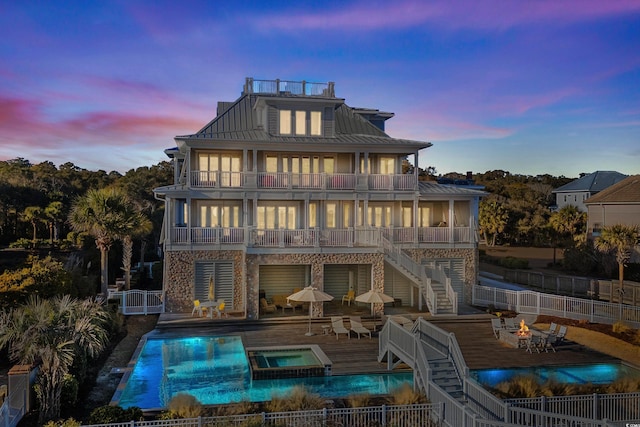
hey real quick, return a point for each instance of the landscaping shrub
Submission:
(620, 327)
(243, 407)
(184, 405)
(299, 399)
(515, 263)
(359, 400)
(69, 422)
(406, 395)
(114, 414)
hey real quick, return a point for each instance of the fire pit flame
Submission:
(524, 329)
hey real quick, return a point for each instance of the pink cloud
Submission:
(488, 14)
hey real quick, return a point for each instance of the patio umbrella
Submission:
(310, 295)
(374, 296)
(211, 288)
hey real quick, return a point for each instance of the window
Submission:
(330, 219)
(316, 123)
(407, 216)
(219, 215)
(312, 215)
(225, 167)
(285, 122)
(181, 213)
(275, 217)
(301, 122)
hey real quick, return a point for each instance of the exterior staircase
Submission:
(433, 291)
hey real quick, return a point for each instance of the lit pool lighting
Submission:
(216, 371)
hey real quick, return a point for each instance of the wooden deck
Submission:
(475, 337)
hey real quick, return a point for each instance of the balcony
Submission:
(301, 181)
(314, 237)
(289, 88)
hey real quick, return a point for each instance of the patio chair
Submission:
(534, 343)
(496, 325)
(350, 296)
(356, 326)
(338, 327)
(265, 307)
(221, 311)
(550, 343)
(197, 308)
(510, 324)
(552, 329)
(562, 333)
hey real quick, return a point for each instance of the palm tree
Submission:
(568, 222)
(51, 333)
(33, 215)
(101, 214)
(136, 224)
(54, 213)
(621, 239)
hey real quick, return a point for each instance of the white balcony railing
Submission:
(314, 237)
(303, 181)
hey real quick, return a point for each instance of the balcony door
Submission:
(219, 169)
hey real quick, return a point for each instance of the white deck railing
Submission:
(138, 301)
(531, 302)
(428, 415)
(357, 236)
(303, 181)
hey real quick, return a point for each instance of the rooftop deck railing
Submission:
(288, 87)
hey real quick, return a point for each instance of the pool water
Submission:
(216, 371)
(603, 373)
(286, 358)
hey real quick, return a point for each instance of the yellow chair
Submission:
(350, 296)
(198, 308)
(221, 310)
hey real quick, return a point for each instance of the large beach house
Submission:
(288, 187)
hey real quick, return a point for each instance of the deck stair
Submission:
(431, 281)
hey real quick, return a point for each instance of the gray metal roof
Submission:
(236, 123)
(430, 188)
(594, 182)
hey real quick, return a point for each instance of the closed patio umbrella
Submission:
(374, 296)
(310, 295)
(211, 288)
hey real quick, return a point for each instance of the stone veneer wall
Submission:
(317, 262)
(471, 264)
(180, 274)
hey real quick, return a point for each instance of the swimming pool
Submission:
(216, 371)
(602, 373)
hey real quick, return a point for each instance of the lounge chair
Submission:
(496, 325)
(510, 324)
(356, 326)
(535, 343)
(350, 296)
(550, 343)
(265, 307)
(338, 327)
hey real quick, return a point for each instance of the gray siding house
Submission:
(288, 186)
(576, 192)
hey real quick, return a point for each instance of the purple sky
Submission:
(530, 87)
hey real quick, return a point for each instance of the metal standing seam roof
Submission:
(593, 182)
(429, 188)
(236, 123)
(625, 191)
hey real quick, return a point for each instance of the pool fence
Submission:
(532, 302)
(137, 301)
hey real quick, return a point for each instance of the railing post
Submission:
(596, 406)
(383, 415)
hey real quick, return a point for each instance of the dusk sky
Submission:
(530, 87)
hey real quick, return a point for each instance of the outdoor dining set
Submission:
(521, 336)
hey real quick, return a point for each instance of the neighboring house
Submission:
(289, 187)
(576, 192)
(618, 204)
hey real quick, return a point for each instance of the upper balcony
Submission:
(303, 181)
(289, 88)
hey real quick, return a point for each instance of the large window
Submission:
(300, 122)
(271, 217)
(223, 166)
(217, 215)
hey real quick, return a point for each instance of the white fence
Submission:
(137, 301)
(531, 302)
(427, 415)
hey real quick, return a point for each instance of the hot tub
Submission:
(288, 362)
